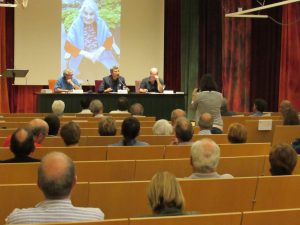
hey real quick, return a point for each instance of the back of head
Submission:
(22, 142)
(130, 128)
(283, 159)
(176, 113)
(237, 133)
(53, 123)
(290, 117)
(107, 126)
(207, 83)
(39, 129)
(260, 104)
(85, 103)
(96, 107)
(164, 192)
(70, 133)
(162, 127)
(122, 103)
(58, 107)
(137, 109)
(205, 121)
(285, 105)
(183, 129)
(205, 155)
(56, 175)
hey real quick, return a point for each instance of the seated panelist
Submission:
(66, 83)
(112, 82)
(152, 83)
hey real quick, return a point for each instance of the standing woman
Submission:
(207, 99)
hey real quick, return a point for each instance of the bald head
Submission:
(39, 129)
(56, 175)
(205, 121)
(205, 155)
(176, 113)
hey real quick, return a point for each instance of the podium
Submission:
(12, 73)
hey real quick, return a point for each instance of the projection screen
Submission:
(49, 37)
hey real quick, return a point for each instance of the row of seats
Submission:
(129, 199)
(89, 153)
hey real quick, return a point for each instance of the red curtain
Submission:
(4, 102)
(289, 85)
(236, 56)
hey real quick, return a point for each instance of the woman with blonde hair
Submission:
(237, 133)
(165, 196)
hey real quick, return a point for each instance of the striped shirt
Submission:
(50, 211)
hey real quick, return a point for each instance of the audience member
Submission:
(285, 105)
(237, 133)
(165, 196)
(84, 104)
(259, 107)
(137, 109)
(162, 127)
(96, 108)
(21, 145)
(130, 130)
(107, 126)
(39, 129)
(176, 113)
(205, 123)
(207, 98)
(122, 105)
(183, 132)
(205, 155)
(58, 107)
(224, 109)
(56, 179)
(70, 133)
(296, 145)
(283, 160)
(290, 117)
(53, 123)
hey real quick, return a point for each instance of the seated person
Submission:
(54, 124)
(183, 132)
(112, 82)
(84, 104)
(224, 109)
(285, 105)
(96, 108)
(137, 109)
(162, 127)
(152, 83)
(237, 133)
(122, 105)
(205, 156)
(58, 107)
(205, 123)
(130, 130)
(56, 179)
(165, 196)
(107, 126)
(259, 106)
(66, 83)
(70, 133)
(175, 114)
(283, 160)
(290, 117)
(21, 145)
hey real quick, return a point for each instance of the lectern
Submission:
(12, 73)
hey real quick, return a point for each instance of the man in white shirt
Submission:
(56, 179)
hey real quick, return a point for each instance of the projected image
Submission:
(90, 36)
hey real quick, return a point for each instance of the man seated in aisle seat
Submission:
(39, 129)
(176, 113)
(205, 155)
(56, 179)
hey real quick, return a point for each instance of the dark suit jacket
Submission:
(19, 159)
(108, 82)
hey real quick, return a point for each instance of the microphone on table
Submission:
(90, 88)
